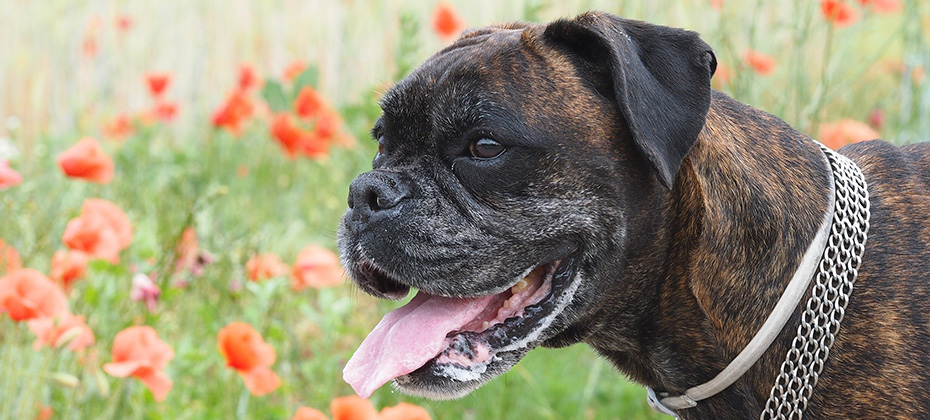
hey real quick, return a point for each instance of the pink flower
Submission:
(144, 289)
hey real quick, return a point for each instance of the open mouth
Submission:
(445, 344)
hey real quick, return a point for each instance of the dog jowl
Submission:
(579, 181)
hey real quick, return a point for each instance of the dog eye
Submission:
(486, 148)
(381, 145)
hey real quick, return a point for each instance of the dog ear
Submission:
(658, 76)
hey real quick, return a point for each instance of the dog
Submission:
(580, 181)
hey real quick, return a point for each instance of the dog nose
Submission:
(375, 192)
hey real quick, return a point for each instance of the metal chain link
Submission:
(833, 284)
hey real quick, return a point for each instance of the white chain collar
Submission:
(835, 255)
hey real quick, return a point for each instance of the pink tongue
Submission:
(407, 338)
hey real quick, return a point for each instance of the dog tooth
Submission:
(520, 286)
(485, 325)
(507, 304)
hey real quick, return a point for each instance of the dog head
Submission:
(515, 169)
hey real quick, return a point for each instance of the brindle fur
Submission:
(678, 277)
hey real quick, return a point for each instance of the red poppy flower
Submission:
(86, 160)
(26, 294)
(883, 6)
(288, 134)
(265, 266)
(352, 407)
(157, 82)
(8, 176)
(759, 62)
(91, 234)
(839, 12)
(248, 77)
(45, 413)
(446, 21)
(314, 145)
(123, 22)
(119, 128)
(138, 352)
(294, 69)
(102, 230)
(9, 258)
(249, 354)
(840, 133)
(405, 411)
(67, 330)
(316, 267)
(68, 267)
(114, 216)
(165, 111)
(329, 128)
(307, 413)
(234, 112)
(309, 103)
(328, 124)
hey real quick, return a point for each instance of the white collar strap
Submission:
(773, 325)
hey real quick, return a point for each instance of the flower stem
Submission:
(242, 409)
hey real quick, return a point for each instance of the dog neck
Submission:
(747, 202)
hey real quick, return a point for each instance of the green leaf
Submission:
(307, 78)
(98, 266)
(273, 94)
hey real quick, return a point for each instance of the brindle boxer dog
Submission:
(579, 181)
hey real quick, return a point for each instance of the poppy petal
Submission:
(352, 407)
(123, 369)
(157, 382)
(405, 411)
(260, 381)
(307, 413)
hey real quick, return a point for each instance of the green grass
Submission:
(170, 176)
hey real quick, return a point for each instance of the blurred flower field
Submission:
(172, 174)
